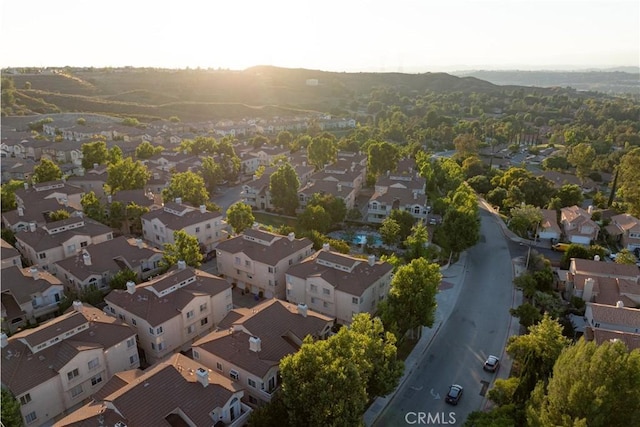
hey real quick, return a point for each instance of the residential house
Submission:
(256, 193)
(626, 229)
(560, 179)
(34, 213)
(172, 310)
(631, 340)
(577, 225)
(613, 318)
(250, 344)
(168, 160)
(97, 264)
(549, 228)
(55, 241)
(10, 255)
(339, 285)
(208, 227)
(63, 152)
(256, 261)
(604, 282)
(66, 194)
(55, 367)
(91, 180)
(267, 154)
(381, 204)
(16, 169)
(347, 194)
(175, 392)
(28, 296)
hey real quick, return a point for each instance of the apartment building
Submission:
(257, 261)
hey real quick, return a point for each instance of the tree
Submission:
(322, 151)
(115, 155)
(92, 207)
(333, 205)
(535, 353)
(382, 157)
(120, 279)
(94, 153)
(11, 415)
(283, 186)
(466, 145)
(130, 121)
(528, 314)
(59, 215)
(133, 217)
(574, 251)
(417, 241)
(460, 230)
(629, 176)
(8, 194)
(525, 219)
(228, 159)
(127, 174)
(570, 195)
(405, 220)
(240, 217)
(187, 185)
(390, 231)
(582, 157)
(46, 171)
(146, 150)
(625, 256)
(116, 215)
(211, 173)
(592, 384)
(185, 247)
(412, 299)
(315, 218)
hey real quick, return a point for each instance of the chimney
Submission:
(291, 236)
(95, 165)
(339, 188)
(255, 344)
(203, 376)
(20, 211)
(255, 226)
(326, 247)
(4, 340)
(86, 257)
(77, 306)
(415, 195)
(372, 260)
(32, 227)
(587, 293)
(619, 304)
(26, 185)
(596, 257)
(302, 309)
(34, 273)
(388, 172)
(131, 287)
(109, 198)
(65, 202)
(203, 209)
(304, 163)
(139, 243)
(590, 209)
(178, 200)
(182, 265)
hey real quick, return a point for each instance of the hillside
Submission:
(149, 94)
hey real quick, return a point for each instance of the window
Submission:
(25, 399)
(314, 289)
(208, 226)
(197, 229)
(253, 400)
(355, 300)
(219, 366)
(247, 263)
(233, 374)
(204, 321)
(190, 314)
(133, 359)
(237, 260)
(326, 291)
(161, 346)
(325, 304)
(42, 255)
(71, 248)
(94, 363)
(196, 354)
(131, 342)
(31, 417)
(203, 307)
(155, 226)
(76, 391)
(159, 330)
(96, 380)
(313, 300)
(191, 328)
(133, 321)
(83, 244)
(153, 346)
(291, 261)
(270, 269)
(416, 210)
(72, 374)
(251, 382)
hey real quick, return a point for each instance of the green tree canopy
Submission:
(382, 157)
(322, 151)
(127, 174)
(240, 217)
(315, 218)
(417, 242)
(283, 186)
(94, 153)
(185, 247)
(390, 231)
(211, 173)
(115, 155)
(570, 195)
(147, 150)
(405, 220)
(187, 185)
(59, 215)
(594, 385)
(582, 156)
(46, 171)
(625, 256)
(412, 298)
(524, 220)
(120, 279)
(8, 194)
(10, 414)
(92, 207)
(333, 205)
(629, 177)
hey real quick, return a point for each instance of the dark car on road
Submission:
(491, 364)
(454, 394)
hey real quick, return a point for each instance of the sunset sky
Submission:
(332, 35)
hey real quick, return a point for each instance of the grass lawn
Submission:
(274, 220)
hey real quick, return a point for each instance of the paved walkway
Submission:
(452, 279)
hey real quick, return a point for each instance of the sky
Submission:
(332, 35)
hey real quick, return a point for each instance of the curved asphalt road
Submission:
(478, 326)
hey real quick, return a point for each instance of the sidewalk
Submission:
(452, 278)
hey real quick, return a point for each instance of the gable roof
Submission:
(7, 251)
(22, 286)
(264, 247)
(176, 216)
(600, 268)
(41, 240)
(623, 316)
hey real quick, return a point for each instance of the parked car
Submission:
(561, 247)
(491, 364)
(454, 394)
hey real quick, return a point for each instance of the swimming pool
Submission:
(361, 239)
